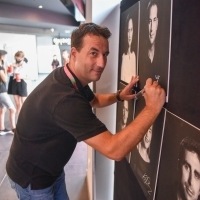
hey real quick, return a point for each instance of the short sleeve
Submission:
(74, 114)
(89, 93)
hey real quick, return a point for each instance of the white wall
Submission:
(26, 43)
(45, 52)
(105, 13)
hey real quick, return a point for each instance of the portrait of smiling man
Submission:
(152, 28)
(155, 42)
(58, 114)
(189, 170)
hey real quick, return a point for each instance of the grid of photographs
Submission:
(166, 162)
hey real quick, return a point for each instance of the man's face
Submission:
(190, 180)
(91, 60)
(153, 23)
(130, 31)
(125, 112)
(147, 138)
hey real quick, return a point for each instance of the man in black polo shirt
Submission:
(58, 114)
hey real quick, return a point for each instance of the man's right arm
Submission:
(119, 145)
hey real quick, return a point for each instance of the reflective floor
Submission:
(75, 170)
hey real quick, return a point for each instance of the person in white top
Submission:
(128, 67)
(17, 84)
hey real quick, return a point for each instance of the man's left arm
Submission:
(103, 100)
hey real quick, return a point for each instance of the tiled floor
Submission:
(75, 170)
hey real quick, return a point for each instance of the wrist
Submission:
(154, 110)
(118, 96)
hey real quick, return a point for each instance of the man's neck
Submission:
(151, 52)
(71, 67)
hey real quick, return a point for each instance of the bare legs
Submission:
(11, 117)
(2, 117)
(19, 102)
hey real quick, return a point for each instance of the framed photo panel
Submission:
(179, 174)
(145, 157)
(128, 43)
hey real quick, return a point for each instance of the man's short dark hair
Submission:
(150, 4)
(190, 145)
(87, 29)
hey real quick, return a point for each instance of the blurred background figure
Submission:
(55, 63)
(5, 101)
(25, 60)
(65, 55)
(17, 85)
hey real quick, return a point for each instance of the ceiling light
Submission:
(40, 6)
(52, 29)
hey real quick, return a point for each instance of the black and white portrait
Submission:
(179, 176)
(145, 157)
(128, 43)
(154, 47)
(125, 112)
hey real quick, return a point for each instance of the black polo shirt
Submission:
(52, 119)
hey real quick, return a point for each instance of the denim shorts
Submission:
(57, 191)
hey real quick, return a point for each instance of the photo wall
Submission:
(163, 37)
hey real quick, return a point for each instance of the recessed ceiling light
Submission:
(52, 29)
(40, 6)
(67, 31)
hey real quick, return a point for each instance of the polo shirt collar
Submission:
(78, 83)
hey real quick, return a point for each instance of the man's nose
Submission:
(101, 61)
(151, 24)
(190, 179)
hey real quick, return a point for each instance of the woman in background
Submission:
(17, 84)
(128, 67)
(5, 101)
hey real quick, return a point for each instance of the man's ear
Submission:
(73, 53)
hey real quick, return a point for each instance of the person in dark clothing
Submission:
(55, 63)
(17, 85)
(58, 114)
